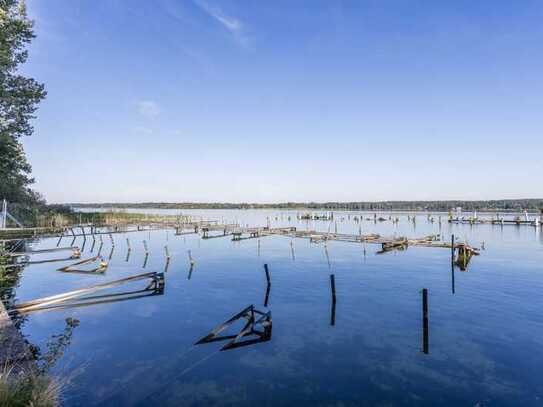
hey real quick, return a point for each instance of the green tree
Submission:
(19, 99)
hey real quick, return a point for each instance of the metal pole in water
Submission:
(333, 286)
(425, 334)
(268, 279)
(333, 309)
(452, 265)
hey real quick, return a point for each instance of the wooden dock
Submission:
(387, 243)
(88, 230)
(500, 222)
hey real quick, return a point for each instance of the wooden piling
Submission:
(425, 333)
(453, 285)
(268, 279)
(333, 287)
(333, 308)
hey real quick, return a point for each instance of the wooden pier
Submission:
(88, 230)
(387, 243)
(500, 222)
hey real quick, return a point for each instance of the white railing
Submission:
(4, 215)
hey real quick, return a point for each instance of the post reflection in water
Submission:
(78, 298)
(145, 260)
(258, 325)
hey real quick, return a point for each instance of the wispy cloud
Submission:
(148, 108)
(143, 131)
(232, 24)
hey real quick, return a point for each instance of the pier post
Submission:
(425, 333)
(452, 265)
(333, 309)
(268, 279)
(268, 286)
(333, 287)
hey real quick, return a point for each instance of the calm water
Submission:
(485, 341)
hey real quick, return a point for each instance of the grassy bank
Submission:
(55, 218)
(24, 389)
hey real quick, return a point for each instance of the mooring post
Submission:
(333, 309)
(191, 260)
(425, 334)
(333, 286)
(267, 274)
(452, 265)
(167, 252)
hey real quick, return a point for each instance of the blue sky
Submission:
(207, 100)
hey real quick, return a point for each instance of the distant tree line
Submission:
(493, 205)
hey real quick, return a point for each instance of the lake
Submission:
(485, 344)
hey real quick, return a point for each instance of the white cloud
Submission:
(233, 25)
(148, 108)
